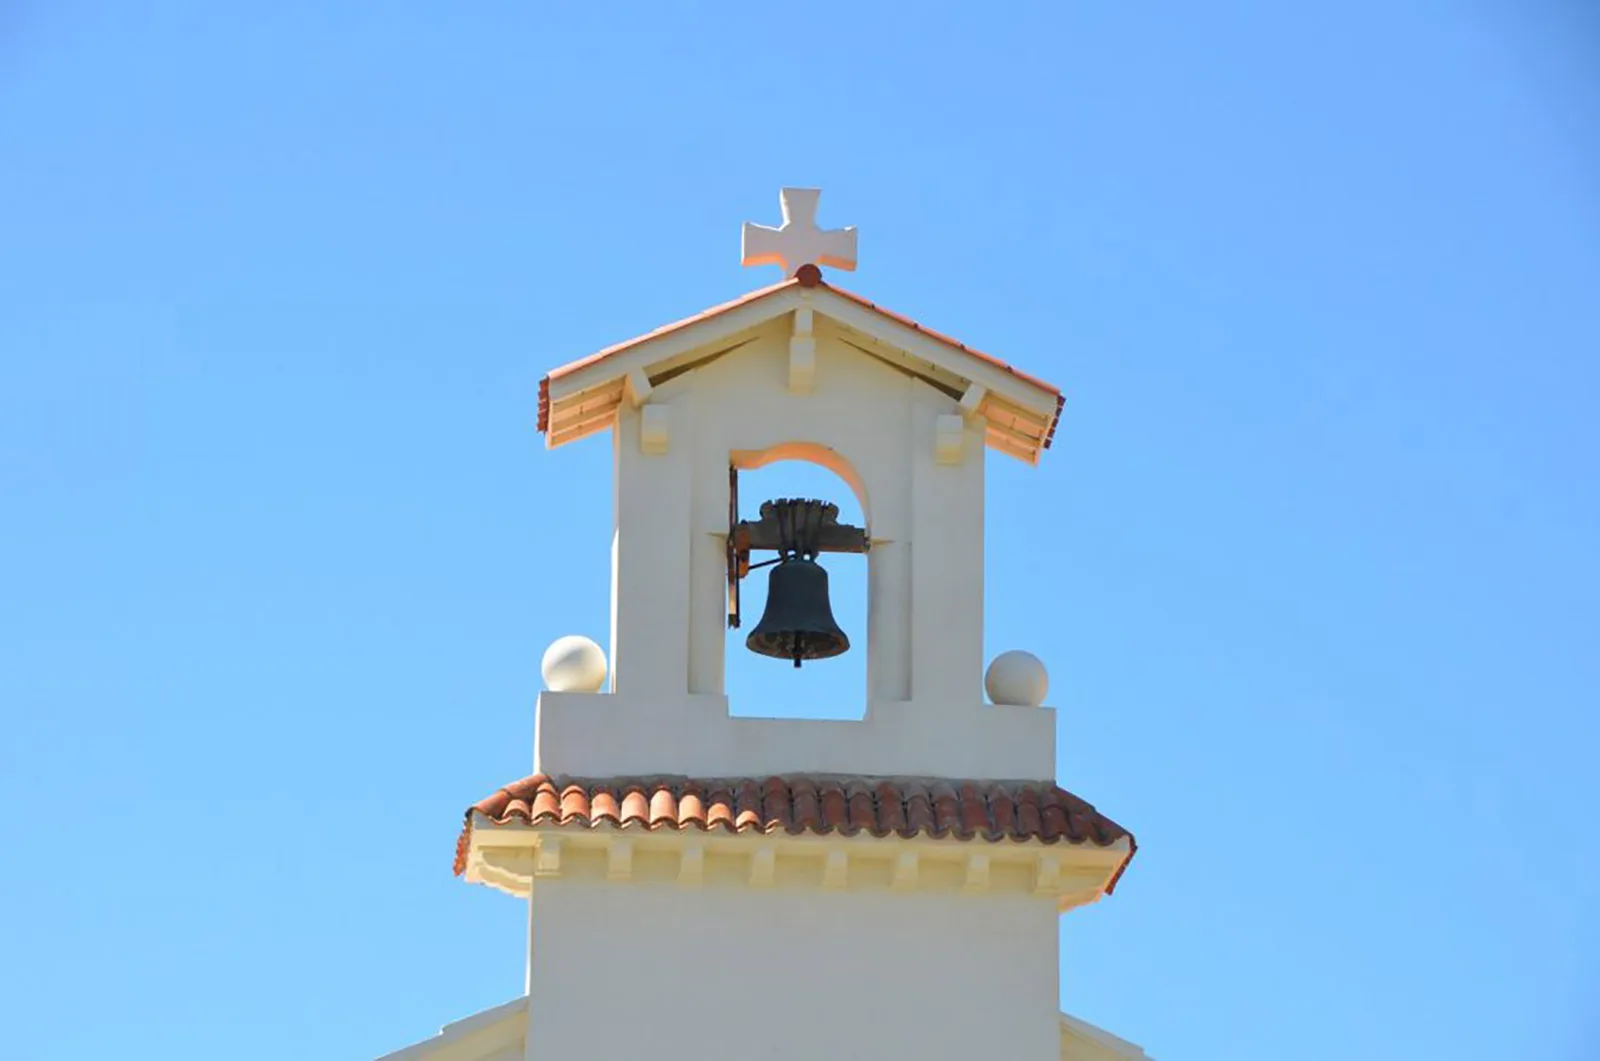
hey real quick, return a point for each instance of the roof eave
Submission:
(1012, 391)
(510, 855)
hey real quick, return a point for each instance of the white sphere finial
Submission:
(573, 664)
(1017, 678)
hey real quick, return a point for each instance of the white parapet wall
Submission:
(603, 734)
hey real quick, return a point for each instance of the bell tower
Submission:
(700, 864)
(904, 415)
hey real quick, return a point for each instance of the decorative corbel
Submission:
(547, 862)
(949, 433)
(972, 400)
(949, 439)
(835, 871)
(1047, 875)
(763, 867)
(638, 387)
(619, 858)
(692, 867)
(977, 874)
(655, 422)
(802, 353)
(905, 872)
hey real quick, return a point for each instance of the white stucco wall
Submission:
(926, 518)
(599, 735)
(798, 974)
(876, 427)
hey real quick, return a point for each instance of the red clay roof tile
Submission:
(1020, 811)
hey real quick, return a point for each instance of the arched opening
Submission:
(835, 688)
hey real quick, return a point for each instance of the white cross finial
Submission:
(799, 241)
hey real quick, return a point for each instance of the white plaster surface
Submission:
(585, 735)
(878, 429)
(657, 970)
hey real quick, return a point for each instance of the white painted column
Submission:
(889, 621)
(651, 553)
(708, 576)
(889, 586)
(946, 565)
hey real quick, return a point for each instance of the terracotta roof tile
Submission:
(1020, 811)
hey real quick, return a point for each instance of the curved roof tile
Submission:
(820, 804)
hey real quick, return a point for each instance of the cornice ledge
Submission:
(510, 856)
(1082, 1041)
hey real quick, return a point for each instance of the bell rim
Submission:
(842, 639)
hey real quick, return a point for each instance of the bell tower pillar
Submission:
(653, 483)
(946, 578)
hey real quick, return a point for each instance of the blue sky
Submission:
(1312, 562)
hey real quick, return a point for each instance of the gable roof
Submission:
(581, 397)
(994, 811)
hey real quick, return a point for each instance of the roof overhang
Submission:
(583, 397)
(512, 856)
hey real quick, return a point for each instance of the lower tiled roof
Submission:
(1020, 811)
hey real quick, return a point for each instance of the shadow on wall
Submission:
(762, 687)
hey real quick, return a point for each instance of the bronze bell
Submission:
(798, 621)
